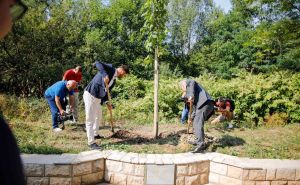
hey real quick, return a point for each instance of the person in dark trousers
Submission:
(95, 94)
(202, 109)
(11, 169)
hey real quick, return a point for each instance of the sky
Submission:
(224, 4)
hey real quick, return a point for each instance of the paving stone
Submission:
(192, 180)
(234, 172)
(113, 166)
(180, 180)
(262, 183)
(218, 168)
(297, 177)
(293, 182)
(82, 169)
(279, 183)
(92, 178)
(214, 178)
(271, 174)
(182, 170)
(34, 170)
(133, 180)
(57, 170)
(98, 165)
(285, 174)
(60, 181)
(249, 183)
(224, 180)
(160, 174)
(37, 180)
(257, 174)
(204, 178)
(119, 179)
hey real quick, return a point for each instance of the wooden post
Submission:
(155, 120)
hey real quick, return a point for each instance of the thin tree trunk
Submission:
(156, 93)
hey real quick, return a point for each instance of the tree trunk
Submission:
(156, 94)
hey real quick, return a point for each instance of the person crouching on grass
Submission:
(225, 107)
(55, 96)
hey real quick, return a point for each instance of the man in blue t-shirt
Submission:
(55, 96)
(95, 94)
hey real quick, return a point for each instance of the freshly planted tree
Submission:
(155, 14)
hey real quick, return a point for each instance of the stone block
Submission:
(224, 180)
(214, 178)
(92, 178)
(234, 172)
(119, 179)
(58, 170)
(34, 170)
(128, 168)
(204, 178)
(82, 169)
(139, 170)
(285, 174)
(98, 165)
(279, 183)
(248, 183)
(271, 174)
(193, 169)
(182, 170)
(192, 180)
(76, 181)
(245, 175)
(60, 181)
(160, 174)
(262, 183)
(257, 174)
(37, 180)
(113, 166)
(293, 182)
(297, 178)
(108, 176)
(180, 180)
(133, 180)
(203, 167)
(218, 168)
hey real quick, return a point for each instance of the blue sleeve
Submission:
(100, 68)
(58, 92)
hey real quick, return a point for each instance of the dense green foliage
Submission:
(258, 99)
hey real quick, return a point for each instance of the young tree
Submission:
(155, 14)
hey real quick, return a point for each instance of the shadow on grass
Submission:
(33, 149)
(227, 141)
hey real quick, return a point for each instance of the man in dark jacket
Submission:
(96, 93)
(202, 109)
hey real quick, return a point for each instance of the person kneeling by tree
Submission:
(55, 96)
(225, 107)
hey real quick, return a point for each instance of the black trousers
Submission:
(202, 114)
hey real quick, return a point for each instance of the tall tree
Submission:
(155, 28)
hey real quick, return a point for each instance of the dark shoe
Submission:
(94, 146)
(192, 143)
(199, 149)
(98, 137)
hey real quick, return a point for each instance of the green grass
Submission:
(279, 142)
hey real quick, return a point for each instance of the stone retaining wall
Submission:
(123, 168)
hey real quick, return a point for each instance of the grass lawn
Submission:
(279, 142)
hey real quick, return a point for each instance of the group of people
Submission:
(201, 107)
(95, 94)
